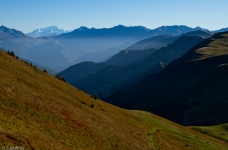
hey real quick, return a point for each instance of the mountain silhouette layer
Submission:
(127, 67)
(196, 80)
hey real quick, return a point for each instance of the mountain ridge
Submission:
(12, 33)
(124, 31)
(125, 65)
(199, 73)
(160, 41)
(72, 50)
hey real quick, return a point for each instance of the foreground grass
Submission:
(38, 111)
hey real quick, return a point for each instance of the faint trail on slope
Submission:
(188, 111)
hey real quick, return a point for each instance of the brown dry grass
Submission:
(215, 48)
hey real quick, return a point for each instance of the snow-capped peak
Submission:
(48, 31)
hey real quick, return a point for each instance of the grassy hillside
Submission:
(218, 131)
(38, 111)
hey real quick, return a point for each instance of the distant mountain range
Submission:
(134, 31)
(14, 40)
(115, 73)
(83, 44)
(163, 40)
(174, 30)
(129, 66)
(221, 30)
(6, 33)
(48, 31)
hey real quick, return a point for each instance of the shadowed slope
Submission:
(200, 73)
(134, 62)
(127, 57)
(153, 42)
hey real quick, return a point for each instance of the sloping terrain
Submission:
(137, 61)
(38, 111)
(169, 53)
(11, 39)
(52, 54)
(167, 42)
(124, 58)
(115, 87)
(153, 42)
(78, 71)
(218, 131)
(127, 57)
(160, 41)
(98, 82)
(190, 91)
(221, 30)
(200, 33)
(129, 63)
(50, 71)
(40, 67)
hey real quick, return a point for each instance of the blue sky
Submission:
(27, 15)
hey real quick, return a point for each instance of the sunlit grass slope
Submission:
(217, 47)
(218, 131)
(38, 111)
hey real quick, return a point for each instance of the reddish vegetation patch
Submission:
(66, 113)
(80, 124)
